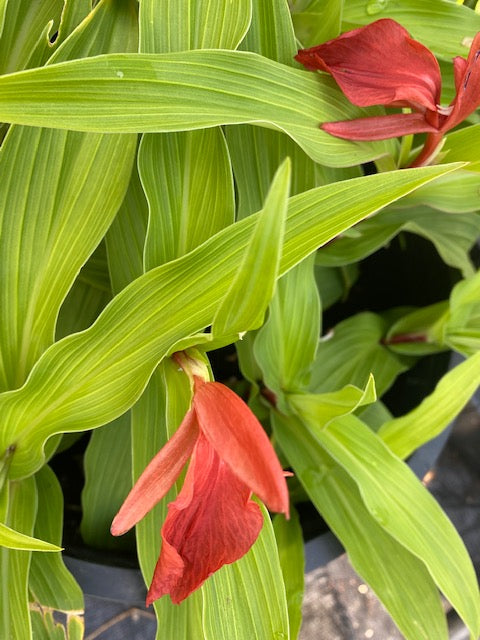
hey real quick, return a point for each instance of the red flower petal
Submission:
(379, 64)
(240, 441)
(211, 523)
(467, 82)
(379, 127)
(158, 477)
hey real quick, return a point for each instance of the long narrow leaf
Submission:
(90, 378)
(122, 93)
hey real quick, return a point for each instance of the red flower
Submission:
(381, 65)
(213, 521)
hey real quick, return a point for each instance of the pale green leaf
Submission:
(107, 465)
(74, 11)
(184, 91)
(405, 434)
(405, 509)
(271, 31)
(443, 26)
(50, 583)
(88, 379)
(360, 337)
(188, 183)
(286, 345)
(59, 193)
(15, 540)
(244, 305)
(462, 327)
(26, 25)
(288, 534)
(462, 144)
(249, 593)
(399, 579)
(18, 509)
(419, 332)
(179, 25)
(456, 193)
(126, 237)
(322, 408)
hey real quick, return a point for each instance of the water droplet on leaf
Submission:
(376, 6)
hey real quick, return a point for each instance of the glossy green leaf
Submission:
(245, 303)
(289, 537)
(107, 465)
(184, 91)
(399, 579)
(180, 25)
(90, 378)
(316, 21)
(50, 584)
(188, 183)
(405, 509)
(249, 593)
(405, 434)
(286, 345)
(360, 337)
(443, 26)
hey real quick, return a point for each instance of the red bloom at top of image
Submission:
(213, 520)
(380, 64)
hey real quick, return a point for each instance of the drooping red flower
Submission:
(380, 64)
(213, 520)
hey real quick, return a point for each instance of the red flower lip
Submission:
(213, 520)
(380, 64)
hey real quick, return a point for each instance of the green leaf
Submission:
(26, 26)
(398, 578)
(322, 408)
(18, 508)
(59, 193)
(50, 583)
(405, 509)
(90, 378)
(463, 144)
(360, 336)
(15, 540)
(316, 21)
(250, 594)
(74, 11)
(405, 434)
(126, 237)
(179, 25)
(286, 345)
(419, 332)
(184, 91)
(288, 534)
(456, 193)
(188, 183)
(107, 464)
(442, 26)
(271, 31)
(244, 305)
(462, 327)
